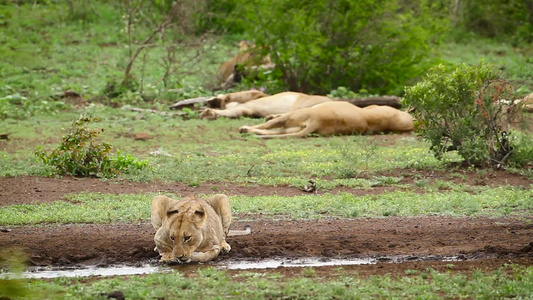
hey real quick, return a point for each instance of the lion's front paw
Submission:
(270, 117)
(166, 257)
(208, 113)
(244, 129)
(225, 247)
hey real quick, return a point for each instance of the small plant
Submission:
(80, 155)
(356, 157)
(344, 93)
(463, 110)
(114, 88)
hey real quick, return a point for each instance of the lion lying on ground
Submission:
(220, 101)
(247, 58)
(266, 106)
(192, 230)
(334, 117)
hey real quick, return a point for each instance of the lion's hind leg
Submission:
(220, 203)
(276, 122)
(159, 210)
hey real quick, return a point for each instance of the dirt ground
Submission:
(477, 243)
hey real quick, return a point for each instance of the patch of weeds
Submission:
(391, 211)
(13, 261)
(17, 106)
(386, 180)
(411, 272)
(309, 272)
(81, 155)
(115, 88)
(422, 183)
(190, 113)
(442, 184)
(356, 157)
(353, 213)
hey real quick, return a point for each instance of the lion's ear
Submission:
(172, 210)
(199, 214)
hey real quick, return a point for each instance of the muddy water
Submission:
(121, 270)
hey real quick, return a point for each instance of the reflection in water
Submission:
(40, 272)
(35, 272)
(301, 262)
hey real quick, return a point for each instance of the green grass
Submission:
(216, 148)
(108, 208)
(510, 281)
(516, 64)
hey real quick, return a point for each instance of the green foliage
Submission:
(16, 106)
(115, 88)
(462, 110)
(509, 281)
(522, 150)
(106, 208)
(81, 155)
(12, 261)
(343, 93)
(497, 19)
(320, 45)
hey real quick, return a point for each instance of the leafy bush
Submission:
(79, 154)
(343, 93)
(462, 110)
(320, 45)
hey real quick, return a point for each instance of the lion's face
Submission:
(208, 113)
(185, 221)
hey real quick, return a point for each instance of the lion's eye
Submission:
(171, 238)
(186, 238)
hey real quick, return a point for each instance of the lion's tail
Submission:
(247, 230)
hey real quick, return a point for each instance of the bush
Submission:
(80, 155)
(321, 45)
(462, 110)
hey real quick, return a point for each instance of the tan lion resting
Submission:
(267, 106)
(334, 117)
(192, 230)
(248, 58)
(221, 101)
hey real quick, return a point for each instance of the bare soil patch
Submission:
(32, 189)
(479, 243)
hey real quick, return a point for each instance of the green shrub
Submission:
(462, 110)
(320, 45)
(79, 154)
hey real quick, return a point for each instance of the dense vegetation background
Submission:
(133, 51)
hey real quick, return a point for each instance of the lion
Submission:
(220, 101)
(266, 107)
(247, 58)
(192, 230)
(334, 118)
(527, 103)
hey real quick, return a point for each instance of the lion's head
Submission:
(185, 220)
(208, 113)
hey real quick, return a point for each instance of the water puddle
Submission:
(54, 272)
(121, 270)
(301, 262)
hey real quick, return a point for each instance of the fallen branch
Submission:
(189, 102)
(393, 101)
